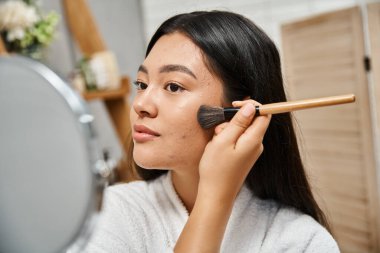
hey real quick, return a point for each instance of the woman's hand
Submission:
(232, 152)
(225, 164)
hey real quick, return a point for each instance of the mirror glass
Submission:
(48, 189)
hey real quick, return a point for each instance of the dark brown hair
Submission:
(248, 63)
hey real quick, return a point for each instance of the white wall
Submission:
(268, 14)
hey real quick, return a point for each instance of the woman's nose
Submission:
(144, 104)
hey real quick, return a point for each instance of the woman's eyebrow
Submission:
(175, 67)
(170, 68)
(143, 69)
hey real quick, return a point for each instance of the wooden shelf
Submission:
(109, 94)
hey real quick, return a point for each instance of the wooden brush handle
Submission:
(305, 104)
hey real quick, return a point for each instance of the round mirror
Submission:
(50, 188)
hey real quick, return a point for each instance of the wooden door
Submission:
(324, 56)
(374, 39)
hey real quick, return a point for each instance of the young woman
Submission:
(240, 187)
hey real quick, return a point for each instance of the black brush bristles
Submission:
(210, 116)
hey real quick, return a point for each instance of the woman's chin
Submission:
(150, 165)
(149, 159)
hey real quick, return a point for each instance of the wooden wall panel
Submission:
(373, 11)
(323, 56)
(86, 34)
(374, 37)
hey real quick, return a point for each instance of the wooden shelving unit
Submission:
(85, 32)
(116, 102)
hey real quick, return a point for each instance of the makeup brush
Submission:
(210, 116)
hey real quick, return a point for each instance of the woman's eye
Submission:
(140, 85)
(173, 87)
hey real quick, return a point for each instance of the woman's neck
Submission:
(185, 183)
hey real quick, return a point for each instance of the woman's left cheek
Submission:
(184, 131)
(184, 135)
(179, 134)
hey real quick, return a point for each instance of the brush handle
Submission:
(290, 106)
(229, 112)
(282, 107)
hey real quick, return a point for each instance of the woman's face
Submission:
(172, 83)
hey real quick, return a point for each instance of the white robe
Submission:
(149, 217)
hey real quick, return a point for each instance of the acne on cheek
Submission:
(186, 134)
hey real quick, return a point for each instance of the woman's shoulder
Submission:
(126, 219)
(294, 230)
(138, 187)
(135, 194)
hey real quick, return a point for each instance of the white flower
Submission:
(15, 34)
(17, 14)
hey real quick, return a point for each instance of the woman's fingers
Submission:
(244, 131)
(254, 134)
(219, 128)
(239, 123)
(243, 102)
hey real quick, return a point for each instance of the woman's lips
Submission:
(142, 133)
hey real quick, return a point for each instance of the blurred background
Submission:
(328, 47)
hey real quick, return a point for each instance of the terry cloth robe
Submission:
(149, 217)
